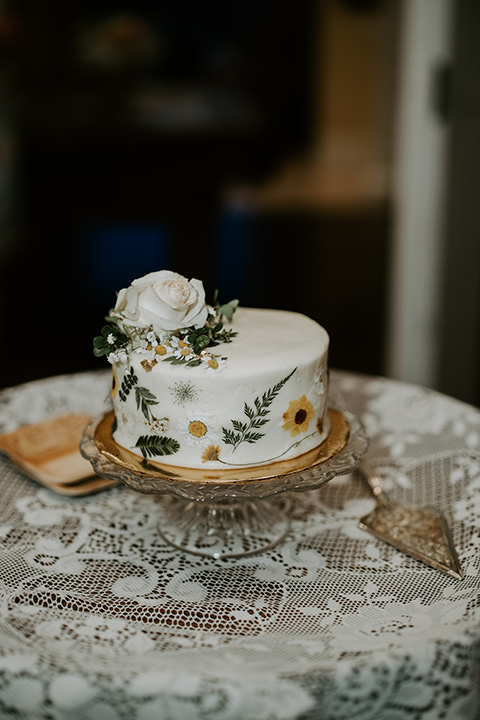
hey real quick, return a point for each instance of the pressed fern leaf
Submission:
(156, 445)
(257, 417)
(252, 437)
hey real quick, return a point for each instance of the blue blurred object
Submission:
(114, 255)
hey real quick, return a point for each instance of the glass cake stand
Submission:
(226, 513)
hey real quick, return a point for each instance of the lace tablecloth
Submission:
(101, 619)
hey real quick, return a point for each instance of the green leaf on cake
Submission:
(129, 381)
(213, 333)
(252, 437)
(110, 339)
(174, 360)
(229, 437)
(201, 342)
(157, 445)
(144, 399)
(256, 417)
(228, 309)
(239, 426)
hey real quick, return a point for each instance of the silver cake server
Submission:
(422, 533)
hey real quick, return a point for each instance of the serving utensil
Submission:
(422, 533)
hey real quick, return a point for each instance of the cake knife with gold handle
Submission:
(422, 533)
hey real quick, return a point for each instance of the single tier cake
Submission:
(205, 386)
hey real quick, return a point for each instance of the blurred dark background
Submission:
(243, 142)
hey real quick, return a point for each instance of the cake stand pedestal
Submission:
(222, 530)
(225, 514)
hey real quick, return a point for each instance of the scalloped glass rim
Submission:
(341, 463)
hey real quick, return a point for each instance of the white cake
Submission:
(258, 396)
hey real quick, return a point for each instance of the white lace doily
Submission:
(101, 619)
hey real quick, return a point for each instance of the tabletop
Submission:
(101, 618)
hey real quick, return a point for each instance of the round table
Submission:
(100, 618)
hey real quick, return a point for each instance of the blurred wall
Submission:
(459, 356)
(434, 312)
(419, 172)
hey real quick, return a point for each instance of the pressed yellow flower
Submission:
(115, 383)
(298, 415)
(197, 428)
(211, 453)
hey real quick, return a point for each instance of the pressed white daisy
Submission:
(151, 338)
(212, 363)
(183, 350)
(198, 429)
(162, 350)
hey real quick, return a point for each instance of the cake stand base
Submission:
(222, 530)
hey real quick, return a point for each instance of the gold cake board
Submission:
(328, 449)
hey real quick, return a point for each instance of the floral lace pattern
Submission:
(100, 618)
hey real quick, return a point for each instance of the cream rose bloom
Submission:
(163, 300)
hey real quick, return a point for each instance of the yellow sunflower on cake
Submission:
(115, 383)
(298, 415)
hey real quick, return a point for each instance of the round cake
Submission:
(213, 386)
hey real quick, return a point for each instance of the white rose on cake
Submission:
(163, 300)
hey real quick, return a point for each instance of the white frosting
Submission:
(266, 402)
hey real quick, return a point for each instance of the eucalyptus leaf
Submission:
(109, 329)
(228, 309)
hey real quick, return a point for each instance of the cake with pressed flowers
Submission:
(212, 386)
